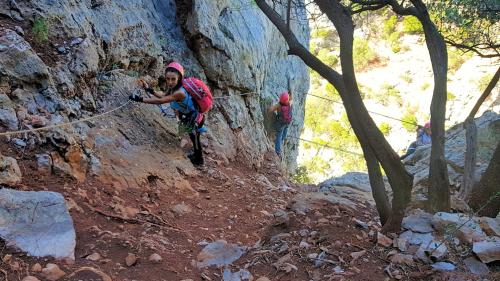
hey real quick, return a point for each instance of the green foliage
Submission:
(410, 121)
(425, 86)
(472, 23)
(363, 55)
(483, 82)
(393, 40)
(389, 26)
(388, 94)
(450, 96)
(385, 128)
(327, 57)
(412, 25)
(40, 30)
(301, 175)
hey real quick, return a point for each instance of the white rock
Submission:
(37, 222)
(488, 250)
(155, 258)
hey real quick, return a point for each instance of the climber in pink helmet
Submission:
(283, 115)
(183, 105)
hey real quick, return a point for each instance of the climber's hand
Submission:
(142, 83)
(136, 98)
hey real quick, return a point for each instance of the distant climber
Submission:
(189, 98)
(283, 113)
(423, 138)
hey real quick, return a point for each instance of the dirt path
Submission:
(232, 203)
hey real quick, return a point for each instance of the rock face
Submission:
(488, 129)
(235, 53)
(37, 223)
(10, 174)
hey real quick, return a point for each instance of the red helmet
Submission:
(177, 66)
(427, 125)
(284, 97)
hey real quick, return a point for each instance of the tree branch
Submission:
(485, 94)
(399, 9)
(474, 49)
(296, 48)
(367, 8)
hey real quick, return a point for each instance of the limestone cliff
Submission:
(66, 60)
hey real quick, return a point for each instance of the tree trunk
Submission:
(486, 196)
(378, 187)
(363, 125)
(439, 190)
(470, 157)
(471, 140)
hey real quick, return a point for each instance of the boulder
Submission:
(467, 229)
(491, 226)
(37, 222)
(18, 60)
(488, 250)
(10, 174)
(419, 221)
(8, 119)
(475, 266)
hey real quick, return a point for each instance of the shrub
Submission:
(301, 175)
(393, 40)
(412, 25)
(40, 30)
(409, 121)
(363, 55)
(385, 128)
(327, 57)
(389, 26)
(450, 96)
(389, 93)
(425, 86)
(483, 82)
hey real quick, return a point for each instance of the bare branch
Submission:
(368, 8)
(474, 49)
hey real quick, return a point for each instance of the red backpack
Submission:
(199, 92)
(285, 114)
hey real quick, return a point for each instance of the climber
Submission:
(283, 115)
(423, 138)
(183, 104)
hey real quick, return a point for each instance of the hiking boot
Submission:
(197, 161)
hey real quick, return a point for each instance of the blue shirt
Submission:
(186, 106)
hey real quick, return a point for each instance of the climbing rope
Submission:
(331, 147)
(376, 113)
(244, 94)
(65, 124)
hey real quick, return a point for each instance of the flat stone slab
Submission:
(444, 266)
(37, 222)
(488, 250)
(476, 267)
(219, 253)
(418, 222)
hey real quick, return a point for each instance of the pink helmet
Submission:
(427, 125)
(284, 97)
(177, 66)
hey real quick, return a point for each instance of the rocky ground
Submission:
(224, 222)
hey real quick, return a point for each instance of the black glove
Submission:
(135, 98)
(150, 91)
